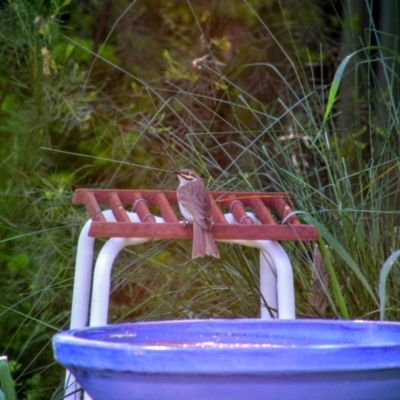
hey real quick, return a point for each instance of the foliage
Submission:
(238, 91)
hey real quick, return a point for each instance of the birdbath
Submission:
(275, 357)
(235, 360)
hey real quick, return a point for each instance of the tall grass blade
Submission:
(335, 283)
(7, 382)
(387, 266)
(339, 74)
(342, 252)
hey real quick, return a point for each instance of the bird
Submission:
(195, 205)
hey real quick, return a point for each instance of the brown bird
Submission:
(195, 205)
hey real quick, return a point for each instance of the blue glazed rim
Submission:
(239, 346)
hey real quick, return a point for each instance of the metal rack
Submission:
(285, 225)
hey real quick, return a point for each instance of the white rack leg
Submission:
(102, 273)
(102, 278)
(80, 298)
(269, 295)
(276, 275)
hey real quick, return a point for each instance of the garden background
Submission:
(256, 95)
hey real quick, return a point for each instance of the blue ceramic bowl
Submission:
(243, 359)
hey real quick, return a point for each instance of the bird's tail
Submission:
(203, 242)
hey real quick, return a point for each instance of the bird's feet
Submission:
(184, 222)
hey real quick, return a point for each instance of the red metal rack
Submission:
(272, 209)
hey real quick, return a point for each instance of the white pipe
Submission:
(102, 273)
(82, 279)
(284, 280)
(269, 295)
(102, 278)
(276, 275)
(80, 298)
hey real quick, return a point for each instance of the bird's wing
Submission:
(197, 202)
